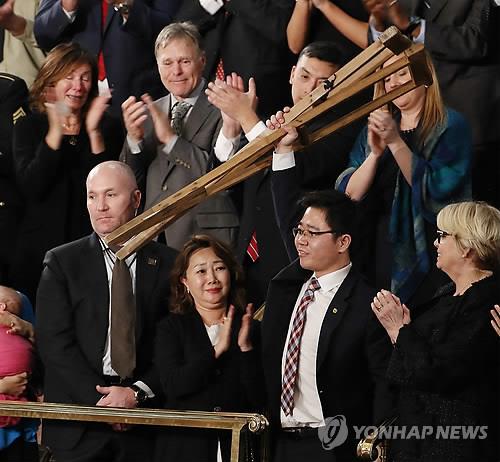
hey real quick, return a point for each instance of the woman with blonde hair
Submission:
(444, 365)
(54, 149)
(412, 158)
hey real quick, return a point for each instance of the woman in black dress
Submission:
(445, 359)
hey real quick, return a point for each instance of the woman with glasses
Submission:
(411, 159)
(444, 365)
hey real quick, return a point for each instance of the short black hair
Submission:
(339, 209)
(324, 51)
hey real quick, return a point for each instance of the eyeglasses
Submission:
(441, 234)
(300, 232)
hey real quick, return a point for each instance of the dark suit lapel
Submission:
(98, 291)
(336, 310)
(148, 264)
(109, 17)
(435, 9)
(200, 112)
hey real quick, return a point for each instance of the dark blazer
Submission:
(353, 351)
(160, 175)
(463, 38)
(53, 186)
(316, 167)
(445, 366)
(250, 36)
(13, 100)
(72, 324)
(257, 214)
(128, 48)
(192, 378)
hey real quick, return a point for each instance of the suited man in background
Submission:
(247, 37)
(120, 34)
(13, 104)
(75, 327)
(318, 308)
(171, 142)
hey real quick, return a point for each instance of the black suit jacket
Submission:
(192, 378)
(72, 324)
(13, 99)
(353, 351)
(463, 38)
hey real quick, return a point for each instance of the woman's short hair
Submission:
(179, 30)
(180, 300)
(433, 112)
(59, 63)
(475, 226)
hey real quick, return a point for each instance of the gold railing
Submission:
(235, 422)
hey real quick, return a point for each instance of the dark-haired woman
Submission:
(205, 354)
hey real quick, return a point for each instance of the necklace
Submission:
(481, 274)
(72, 139)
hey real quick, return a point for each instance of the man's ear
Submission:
(137, 199)
(344, 242)
(292, 73)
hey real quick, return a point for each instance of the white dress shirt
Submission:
(307, 409)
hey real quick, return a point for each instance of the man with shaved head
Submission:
(77, 295)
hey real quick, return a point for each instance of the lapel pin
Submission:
(334, 310)
(152, 261)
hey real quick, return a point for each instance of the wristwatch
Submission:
(123, 8)
(139, 394)
(415, 21)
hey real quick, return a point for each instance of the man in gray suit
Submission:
(171, 142)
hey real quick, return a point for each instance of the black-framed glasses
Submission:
(301, 232)
(441, 234)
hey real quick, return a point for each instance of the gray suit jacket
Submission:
(162, 174)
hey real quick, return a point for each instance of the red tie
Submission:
(253, 248)
(100, 59)
(219, 71)
(293, 348)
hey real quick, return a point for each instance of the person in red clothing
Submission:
(16, 351)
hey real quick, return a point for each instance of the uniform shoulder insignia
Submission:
(18, 114)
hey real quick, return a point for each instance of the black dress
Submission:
(445, 366)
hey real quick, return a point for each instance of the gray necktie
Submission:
(122, 320)
(179, 111)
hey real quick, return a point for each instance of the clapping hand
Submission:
(236, 104)
(224, 340)
(161, 120)
(391, 313)
(96, 110)
(244, 340)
